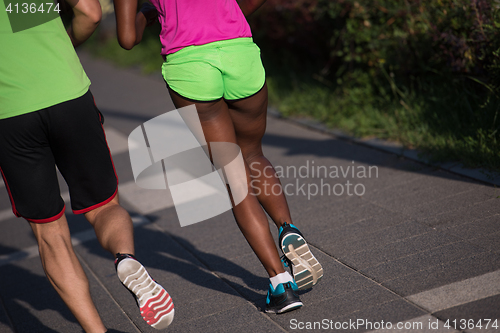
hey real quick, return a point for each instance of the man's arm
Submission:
(129, 24)
(87, 17)
(250, 6)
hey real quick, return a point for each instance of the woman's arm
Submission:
(129, 24)
(250, 6)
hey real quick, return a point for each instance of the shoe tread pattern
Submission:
(307, 271)
(155, 304)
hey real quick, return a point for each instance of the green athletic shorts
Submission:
(231, 69)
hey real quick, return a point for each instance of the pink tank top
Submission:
(197, 22)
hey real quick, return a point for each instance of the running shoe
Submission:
(283, 299)
(154, 302)
(305, 268)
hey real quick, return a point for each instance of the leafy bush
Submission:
(425, 73)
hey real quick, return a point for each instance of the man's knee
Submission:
(53, 234)
(92, 215)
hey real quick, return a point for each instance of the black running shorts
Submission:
(69, 135)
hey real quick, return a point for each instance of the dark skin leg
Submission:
(249, 117)
(243, 122)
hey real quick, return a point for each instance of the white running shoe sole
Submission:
(155, 304)
(307, 271)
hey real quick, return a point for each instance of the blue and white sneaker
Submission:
(305, 268)
(283, 299)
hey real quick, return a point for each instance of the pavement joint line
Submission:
(437, 265)
(7, 314)
(76, 239)
(399, 240)
(222, 279)
(458, 293)
(435, 200)
(350, 224)
(406, 216)
(411, 254)
(473, 220)
(106, 290)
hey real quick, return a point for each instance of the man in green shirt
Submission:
(48, 118)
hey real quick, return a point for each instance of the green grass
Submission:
(448, 117)
(442, 120)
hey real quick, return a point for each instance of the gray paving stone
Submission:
(246, 275)
(476, 229)
(16, 235)
(34, 305)
(5, 323)
(206, 306)
(243, 318)
(27, 273)
(393, 251)
(123, 167)
(393, 311)
(351, 232)
(440, 211)
(444, 274)
(338, 280)
(406, 196)
(111, 313)
(4, 196)
(489, 242)
(377, 239)
(43, 312)
(434, 257)
(465, 211)
(317, 220)
(345, 305)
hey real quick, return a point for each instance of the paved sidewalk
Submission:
(400, 242)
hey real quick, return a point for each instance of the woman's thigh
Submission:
(215, 118)
(249, 120)
(239, 121)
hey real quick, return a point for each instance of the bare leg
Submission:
(115, 232)
(218, 127)
(113, 227)
(65, 272)
(249, 118)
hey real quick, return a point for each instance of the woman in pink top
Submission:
(212, 62)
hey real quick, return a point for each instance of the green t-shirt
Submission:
(38, 65)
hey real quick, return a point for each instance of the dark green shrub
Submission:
(425, 73)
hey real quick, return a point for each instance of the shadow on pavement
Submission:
(174, 254)
(24, 293)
